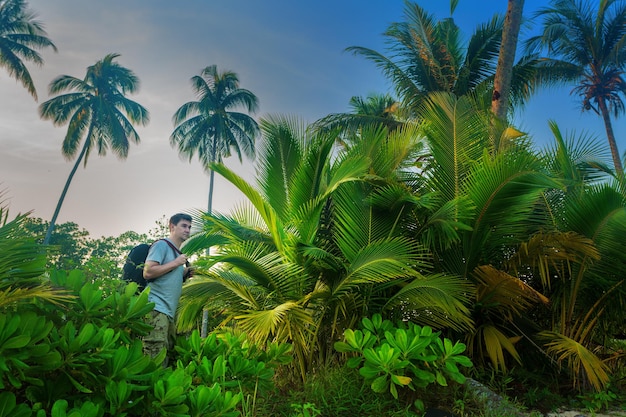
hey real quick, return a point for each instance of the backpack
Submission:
(133, 267)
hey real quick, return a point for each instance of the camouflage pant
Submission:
(162, 336)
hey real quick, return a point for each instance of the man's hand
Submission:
(181, 260)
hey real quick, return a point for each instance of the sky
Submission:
(290, 54)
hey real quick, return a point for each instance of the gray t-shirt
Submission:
(165, 290)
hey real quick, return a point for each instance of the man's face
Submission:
(181, 230)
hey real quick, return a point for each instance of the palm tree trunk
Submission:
(205, 313)
(506, 59)
(610, 135)
(211, 183)
(46, 240)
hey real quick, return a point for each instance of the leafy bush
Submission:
(70, 346)
(86, 359)
(404, 356)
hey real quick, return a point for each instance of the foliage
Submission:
(585, 45)
(598, 401)
(73, 248)
(402, 356)
(375, 110)
(70, 243)
(22, 264)
(94, 350)
(231, 360)
(85, 357)
(337, 390)
(487, 191)
(584, 277)
(98, 114)
(305, 410)
(515, 227)
(426, 56)
(20, 37)
(311, 255)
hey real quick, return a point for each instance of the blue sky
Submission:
(289, 53)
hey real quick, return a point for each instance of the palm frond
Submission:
(436, 300)
(509, 295)
(505, 191)
(583, 364)
(456, 135)
(552, 253)
(495, 343)
(265, 210)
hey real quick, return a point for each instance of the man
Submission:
(164, 270)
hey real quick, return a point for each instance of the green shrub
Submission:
(70, 345)
(403, 356)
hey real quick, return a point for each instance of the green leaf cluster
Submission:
(87, 360)
(231, 360)
(71, 346)
(406, 355)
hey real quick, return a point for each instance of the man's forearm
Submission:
(155, 270)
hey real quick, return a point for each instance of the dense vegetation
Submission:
(386, 261)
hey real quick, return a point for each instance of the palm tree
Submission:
(20, 36)
(506, 59)
(310, 256)
(98, 111)
(588, 47)
(375, 109)
(426, 55)
(211, 126)
(585, 280)
(483, 207)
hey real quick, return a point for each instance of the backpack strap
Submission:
(171, 245)
(174, 248)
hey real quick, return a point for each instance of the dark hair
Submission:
(176, 218)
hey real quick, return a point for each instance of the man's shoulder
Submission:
(158, 247)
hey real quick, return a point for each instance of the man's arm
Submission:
(153, 269)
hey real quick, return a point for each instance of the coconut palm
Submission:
(308, 257)
(212, 127)
(20, 37)
(426, 55)
(375, 109)
(587, 46)
(506, 59)
(585, 280)
(487, 193)
(99, 113)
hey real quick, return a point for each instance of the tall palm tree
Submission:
(20, 36)
(506, 59)
(98, 112)
(587, 45)
(212, 126)
(426, 55)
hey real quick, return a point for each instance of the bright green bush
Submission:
(70, 345)
(86, 359)
(403, 356)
